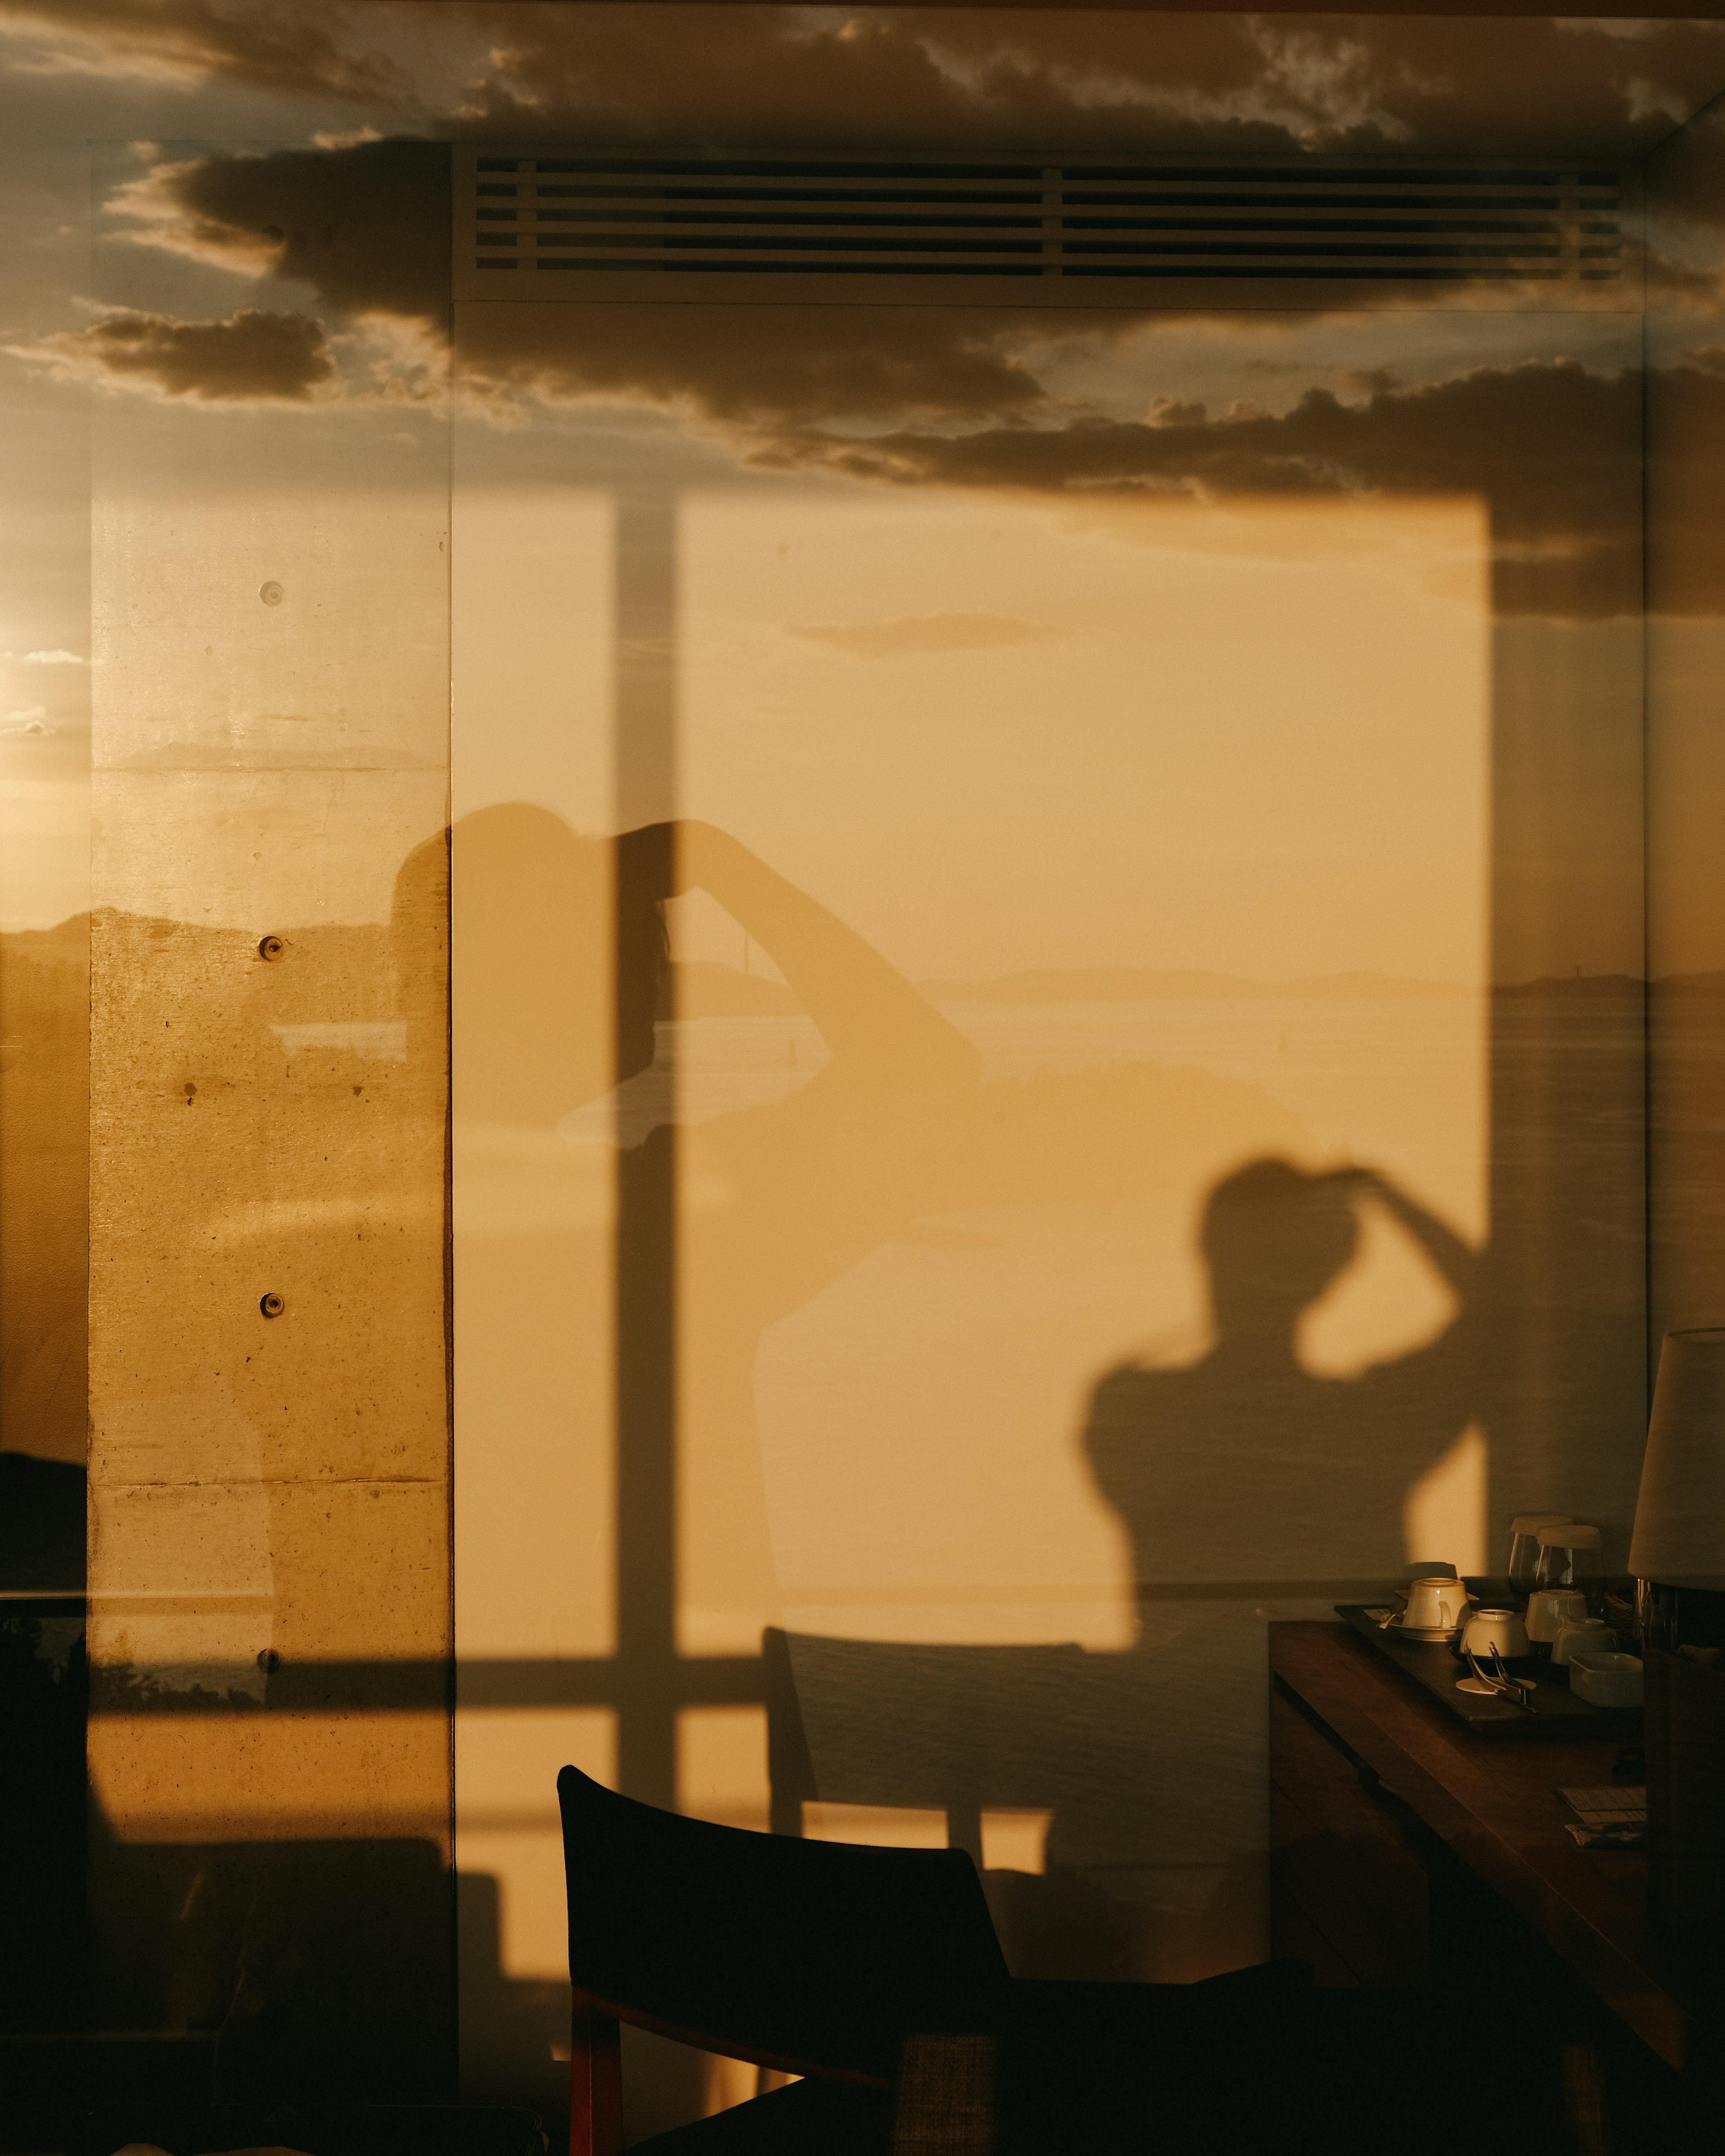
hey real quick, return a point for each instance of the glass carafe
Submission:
(1524, 1549)
(1569, 1557)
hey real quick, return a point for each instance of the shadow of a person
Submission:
(598, 1269)
(1247, 1472)
(1246, 1479)
(717, 1229)
(558, 958)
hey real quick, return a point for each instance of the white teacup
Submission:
(1499, 1632)
(1593, 1636)
(1435, 1605)
(1550, 1609)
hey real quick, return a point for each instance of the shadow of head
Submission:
(558, 944)
(1274, 1239)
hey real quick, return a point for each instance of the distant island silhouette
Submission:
(711, 988)
(1132, 984)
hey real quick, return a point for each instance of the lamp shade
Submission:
(1680, 1516)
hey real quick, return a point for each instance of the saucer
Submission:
(1436, 1635)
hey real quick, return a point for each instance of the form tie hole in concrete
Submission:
(271, 593)
(271, 947)
(271, 1305)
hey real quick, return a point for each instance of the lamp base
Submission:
(1675, 1617)
(1686, 1756)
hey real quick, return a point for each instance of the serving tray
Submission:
(1552, 1710)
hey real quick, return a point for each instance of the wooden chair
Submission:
(876, 1974)
(812, 1958)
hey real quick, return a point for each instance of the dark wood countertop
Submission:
(1496, 1806)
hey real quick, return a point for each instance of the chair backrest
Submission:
(812, 1956)
(889, 1721)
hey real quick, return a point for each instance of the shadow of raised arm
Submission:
(870, 1015)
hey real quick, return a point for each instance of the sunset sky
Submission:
(292, 291)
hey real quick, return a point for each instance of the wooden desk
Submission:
(1388, 1819)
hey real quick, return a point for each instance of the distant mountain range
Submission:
(1142, 984)
(42, 970)
(706, 989)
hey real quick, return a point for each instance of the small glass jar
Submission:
(1569, 1556)
(1524, 1549)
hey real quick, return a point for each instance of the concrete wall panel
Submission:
(269, 1492)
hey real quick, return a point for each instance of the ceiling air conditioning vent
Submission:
(539, 218)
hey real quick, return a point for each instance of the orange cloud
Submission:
(919, 634)
(195, 40)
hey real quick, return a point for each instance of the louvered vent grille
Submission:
(535, 214)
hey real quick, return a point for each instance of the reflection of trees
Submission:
(122, 1688)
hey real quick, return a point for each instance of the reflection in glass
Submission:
(1017, 903)
(1045, 1000)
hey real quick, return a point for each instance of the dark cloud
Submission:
(252, 357)
(747, 77)
(1686, 176)
(742, 367)
(762, 78)
(1554, 449)
(1230, 84)
(954, 396)
(366, 225)
(1686, 487)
